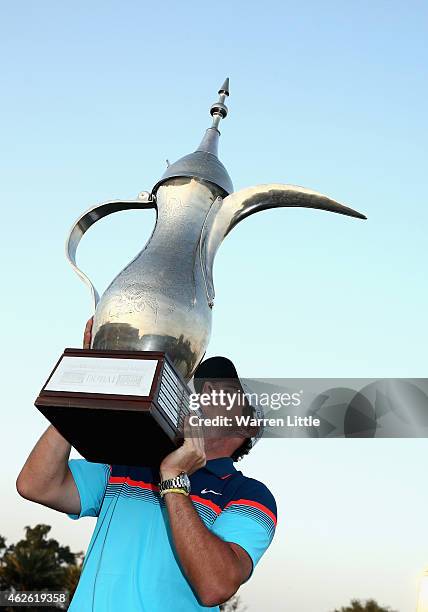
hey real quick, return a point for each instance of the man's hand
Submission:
(87, 334)
(188, 458)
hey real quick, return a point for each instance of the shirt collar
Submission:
(221, 467)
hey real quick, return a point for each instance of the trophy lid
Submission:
(204, 162)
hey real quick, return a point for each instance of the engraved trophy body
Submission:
(157, 310)
(159, 301)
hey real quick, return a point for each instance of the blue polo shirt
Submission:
(131, 563)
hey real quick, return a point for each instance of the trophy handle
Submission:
(91, 216)
(237, 206)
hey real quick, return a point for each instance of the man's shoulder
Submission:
(256, 492)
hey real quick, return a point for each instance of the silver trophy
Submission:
(162, 301)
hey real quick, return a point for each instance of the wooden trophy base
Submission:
(116, 407)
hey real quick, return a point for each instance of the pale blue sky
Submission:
(328, 95)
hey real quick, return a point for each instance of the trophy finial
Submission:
(225, 87)
(204, 162)
(219, 110)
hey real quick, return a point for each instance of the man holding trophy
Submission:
(184, 538)
(179, 528)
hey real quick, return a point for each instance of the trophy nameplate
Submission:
(116, 406)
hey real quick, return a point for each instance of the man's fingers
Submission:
(87, 334)
(187, 428)
(199, 442)
(199, 438)
(194, 433)
(194, 439)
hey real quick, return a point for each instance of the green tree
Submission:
(2, 549)
(38, 563)
(369, 606)
(72, 575)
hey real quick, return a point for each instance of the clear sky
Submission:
(328, 95)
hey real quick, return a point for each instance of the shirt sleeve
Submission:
(91, 481)
(249, 520)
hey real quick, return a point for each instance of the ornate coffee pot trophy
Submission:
(124, 400)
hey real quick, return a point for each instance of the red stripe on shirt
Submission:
(133, 483)
(253, 504)
(206, 502)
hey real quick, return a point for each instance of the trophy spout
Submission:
(225, 215)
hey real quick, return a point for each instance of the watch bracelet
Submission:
(172, 483)
(181, 491)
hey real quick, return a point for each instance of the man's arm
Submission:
(214, 568)
(46, 477)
